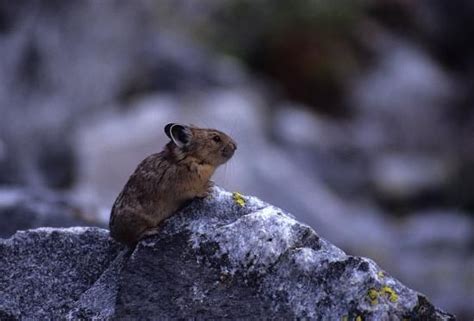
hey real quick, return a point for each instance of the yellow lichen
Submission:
(358, 318)
(380, 274)
(392, 295)
(345, 318)
(238, 198)
(373, 296)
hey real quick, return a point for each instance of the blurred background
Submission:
(355, 116)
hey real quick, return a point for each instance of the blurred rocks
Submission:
(440, 29)
(54, 69)
(404, 127)
(22, 209)
(403, 177)
(437, 246)
(446, 28)
(201, 266)
(406, 94)
(64, 63)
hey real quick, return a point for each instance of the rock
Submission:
(228, 256)
(45, 271)
(22, 209)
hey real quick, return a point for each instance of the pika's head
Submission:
(209, 146)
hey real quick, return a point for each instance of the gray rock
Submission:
(228, 256)
(45, 271)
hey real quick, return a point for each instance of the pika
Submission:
(162, 183)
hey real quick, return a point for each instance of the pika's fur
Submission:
(163, 182)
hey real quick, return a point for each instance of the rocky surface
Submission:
(45, 271)
(228, 256)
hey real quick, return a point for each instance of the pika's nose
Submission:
(229, 150)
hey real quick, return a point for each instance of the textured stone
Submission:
(43, 272)
(228, 256)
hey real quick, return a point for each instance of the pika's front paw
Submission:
(203, 194)
(207, 191)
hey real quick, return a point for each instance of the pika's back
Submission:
(163, 182)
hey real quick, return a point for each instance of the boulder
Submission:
(227, 256)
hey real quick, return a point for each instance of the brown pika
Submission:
(162, 183)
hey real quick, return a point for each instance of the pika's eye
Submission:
(217, 139)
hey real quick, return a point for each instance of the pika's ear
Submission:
(168, 129)
(181, 135)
